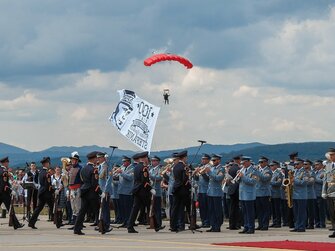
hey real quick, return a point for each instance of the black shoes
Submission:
(310, 227)
(247, 231)
(159, 228)
(132, 231)
(332, 235)
(18, 226)
(79, 232)
(174, 230)
(205, 226)
(32, 226)
(106, 231)
(298, 230)
(243, 231)
(250, 232)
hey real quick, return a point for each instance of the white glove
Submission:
(153, 191)
(13, 193)
(103, 195)
(57, 192)
(67, 193)
(324, 196)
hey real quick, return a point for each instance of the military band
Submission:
(265, 192)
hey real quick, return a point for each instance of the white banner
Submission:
(135, 119)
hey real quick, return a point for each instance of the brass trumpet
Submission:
(204, 170)
(115, 170)
(168, 166)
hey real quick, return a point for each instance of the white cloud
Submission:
(80, 114)
(313, 100)
(26, 100)
(245, 90)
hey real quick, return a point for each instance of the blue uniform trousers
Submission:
(284, 211)
(116, 204)
(263, 209)
(320, 212)
(126, 204)
(216, 215)
(300, 214)
(310, 212)
(106, 212)
(203, 208)
(158, 210)
(276, 212)
(248, 209)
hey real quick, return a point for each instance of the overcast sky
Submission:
(264, 70)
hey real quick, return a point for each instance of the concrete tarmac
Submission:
(48, 238)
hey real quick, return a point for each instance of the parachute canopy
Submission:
(164, 57)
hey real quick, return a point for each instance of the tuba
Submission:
(65, 177)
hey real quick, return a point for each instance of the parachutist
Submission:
(166, 98)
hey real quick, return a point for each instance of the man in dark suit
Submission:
(89, 191)
(45, 192)
(6, 189)
(142, 189)
(181, 191)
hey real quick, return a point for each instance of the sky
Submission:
(263, 70)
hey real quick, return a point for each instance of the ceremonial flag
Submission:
(135, 118)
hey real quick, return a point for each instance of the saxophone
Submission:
(288, 185)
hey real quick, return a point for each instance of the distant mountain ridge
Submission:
(312, 150)
(9, 149)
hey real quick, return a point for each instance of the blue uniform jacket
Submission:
(102, 177)
(276, 183)
(115, 186)
(263, 186)
(319, 175)
(109, 181)
(300, 185)
(202, 182)
(170, 178)
(247, 189)
(156, 178)
(126, 180)
(216, 175)
(310, 185)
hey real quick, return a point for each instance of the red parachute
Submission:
(164, 57)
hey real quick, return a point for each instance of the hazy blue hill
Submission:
(209, 148)
(83, 150)
(310, 150)
(6, 149)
